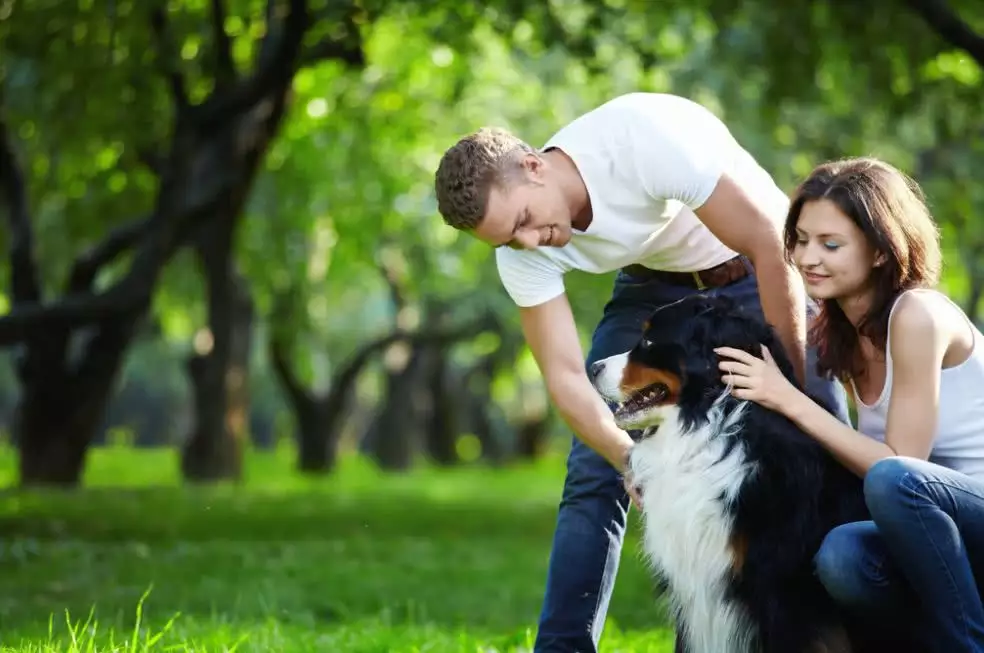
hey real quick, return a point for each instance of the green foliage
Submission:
(432, 560)
(78, 86)
(346, 187)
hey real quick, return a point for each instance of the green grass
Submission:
(359, 561)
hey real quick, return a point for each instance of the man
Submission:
(656, 187)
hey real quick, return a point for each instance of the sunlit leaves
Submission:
(352, 170)
(957, 66)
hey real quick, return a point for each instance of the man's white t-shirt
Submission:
(649, 160)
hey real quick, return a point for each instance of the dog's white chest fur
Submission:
(687, 480)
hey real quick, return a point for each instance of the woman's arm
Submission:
(855, 451)
(919, 340)
(920, 336)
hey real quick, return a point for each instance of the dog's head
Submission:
(674, 365)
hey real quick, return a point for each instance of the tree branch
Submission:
(88, 264)
(167, 58)
(70, 312)
(343, 382)
(13, 200)
(283, 43)
(225, 69)
(130, 294)
(343, 42)
(299, 396)
(334, 49)
(393, 283)
(164, 232)
(948, 25)
(151, 159)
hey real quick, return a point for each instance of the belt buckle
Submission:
(700, 282)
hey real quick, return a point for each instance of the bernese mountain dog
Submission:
(736, 498)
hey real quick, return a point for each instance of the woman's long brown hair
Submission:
(890, 209)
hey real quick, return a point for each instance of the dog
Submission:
(736, 498)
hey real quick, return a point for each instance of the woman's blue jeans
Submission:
(917, 563)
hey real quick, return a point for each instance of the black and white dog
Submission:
(736, 498)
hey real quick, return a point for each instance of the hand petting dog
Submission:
(632, 490)
(755, 379)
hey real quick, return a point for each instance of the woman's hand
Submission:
(756, 379)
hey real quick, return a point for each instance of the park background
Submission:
(268, 401)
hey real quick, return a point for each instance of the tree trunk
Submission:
(61, 405)
(395, 432)
(482, 417)
(220, 374)
(481, 424)
(317, 440)
(318, 420)
(405, 418)
(205, 171)
(441, 434)
(531, 436)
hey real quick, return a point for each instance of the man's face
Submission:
(528, 212)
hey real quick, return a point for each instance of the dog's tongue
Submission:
(631, 405)
(638, 400)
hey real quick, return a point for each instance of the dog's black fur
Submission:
(799, 492)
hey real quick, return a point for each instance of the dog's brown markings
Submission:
(635, 377)
(833, 640)
(739, 551)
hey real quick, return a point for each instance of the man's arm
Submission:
(731, 215)
(680, 150)
(552, 337)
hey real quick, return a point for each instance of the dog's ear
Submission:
(698, 362)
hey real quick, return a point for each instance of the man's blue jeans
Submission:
(927, 533)
(592, 515)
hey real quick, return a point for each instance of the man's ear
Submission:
(533, 165)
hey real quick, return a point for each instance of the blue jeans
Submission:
(917, 562)
(593, 509)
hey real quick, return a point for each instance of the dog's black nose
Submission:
(595, 369)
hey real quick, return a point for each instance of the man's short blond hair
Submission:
(469, 170)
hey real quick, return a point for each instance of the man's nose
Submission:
(526, 239)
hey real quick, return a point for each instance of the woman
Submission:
(861, 236)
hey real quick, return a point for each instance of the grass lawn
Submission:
(359, 561)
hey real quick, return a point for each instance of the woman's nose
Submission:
(808, 256)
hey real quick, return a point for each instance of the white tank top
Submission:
(959, 438)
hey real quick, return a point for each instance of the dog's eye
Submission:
(646, 344)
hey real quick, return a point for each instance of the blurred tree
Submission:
(290, 147)
(204, 153)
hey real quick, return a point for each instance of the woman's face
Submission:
(832, 253)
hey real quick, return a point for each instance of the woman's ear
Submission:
(880, 259)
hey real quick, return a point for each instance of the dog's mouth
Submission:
(642, 399)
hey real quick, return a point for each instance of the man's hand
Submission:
(635, 492)
(552, 337)
(745, 227)
(628, 481)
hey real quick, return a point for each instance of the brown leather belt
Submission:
(720, 275)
